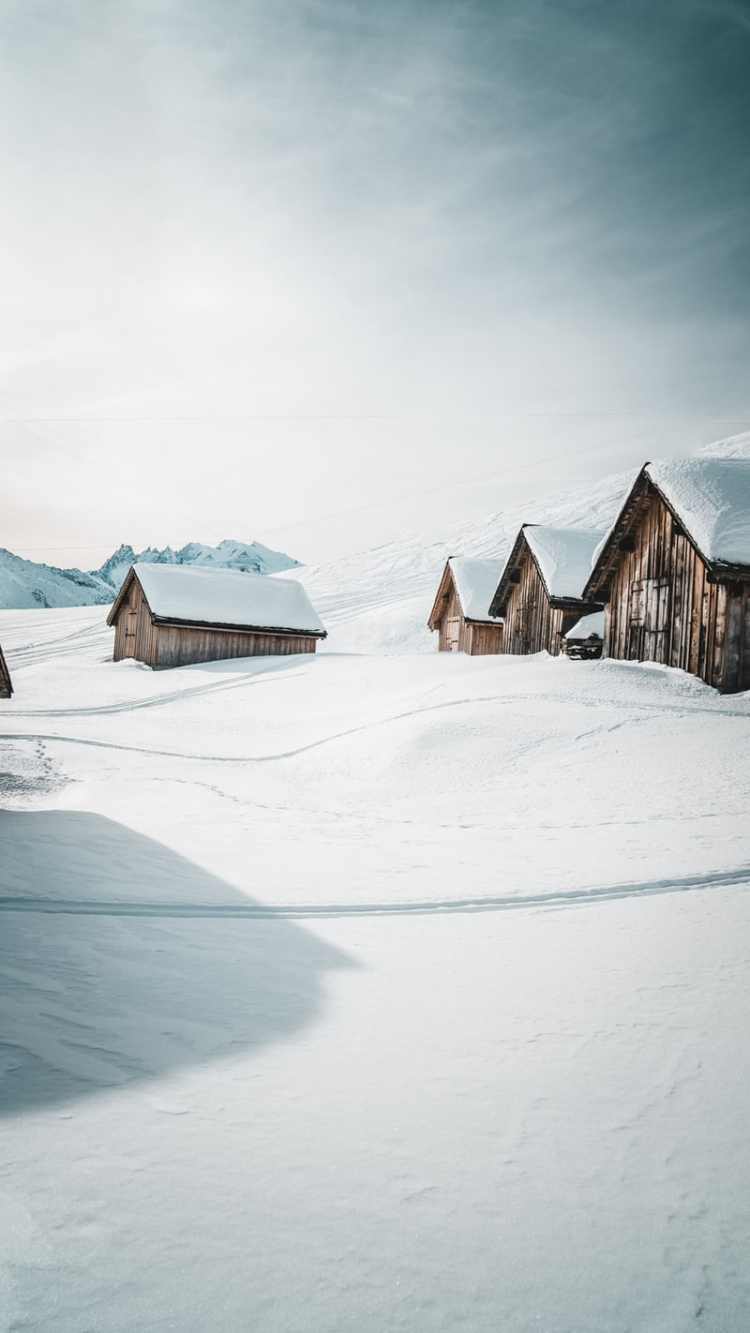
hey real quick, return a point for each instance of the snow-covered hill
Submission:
(427, 974)
(374, 993)
(24, 583)
(378, 600)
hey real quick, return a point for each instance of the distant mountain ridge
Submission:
(25, 583)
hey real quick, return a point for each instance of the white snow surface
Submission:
(588, 627)
(712, 498)
(370, 992)
(398, 990)
(227, 597)
(476, 582)
(563, 556)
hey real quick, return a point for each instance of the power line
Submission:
(216, 419)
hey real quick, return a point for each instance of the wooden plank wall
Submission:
(451, 612)
(531, 624)
(179, 645)
(475, 639)
(6, 688)
(127, 624)
(484, 640)
(662, 607)
(737, 648)
(163, 646)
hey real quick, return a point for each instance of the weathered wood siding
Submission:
(452, 630)
(484, 640)
(532, 624)
(163, 646)
(6, 688)
(178, 645)
(457, 635)
(737, 641)
(663, 608)
(130, 620)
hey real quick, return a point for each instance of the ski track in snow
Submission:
(676, 710)
(256, 677)
(428, 907)
(430, 1101)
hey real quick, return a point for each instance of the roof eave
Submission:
(597, 584)
(131, 574)
(434, 618)
(241, 629)
(575, 604)
(498, 603)
(5, 677)
(720, 571)
(723, 572)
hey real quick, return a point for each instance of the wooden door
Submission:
(636, 619)
(131, 623)
(648, 620)
(452, 634)
(521, 629)
(657, 620)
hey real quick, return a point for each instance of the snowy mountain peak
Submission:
(24, 583)
(247, 556)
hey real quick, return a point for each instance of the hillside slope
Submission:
(378, 600)
(378, 993)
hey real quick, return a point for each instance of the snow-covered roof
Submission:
(711, 496)
(227, 597)
(564, 557)
(476, 581)
(588, 627)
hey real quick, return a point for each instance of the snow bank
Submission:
(564, 557)
(712, 498)
(732, 446)
(588, 627)
(227, 597)
(476, 582)
(395, 1112)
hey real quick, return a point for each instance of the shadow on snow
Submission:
(90, 1003)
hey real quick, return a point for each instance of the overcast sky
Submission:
(315, 271)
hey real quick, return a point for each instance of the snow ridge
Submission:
(26, 583)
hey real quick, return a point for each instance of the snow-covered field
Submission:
(370, 992)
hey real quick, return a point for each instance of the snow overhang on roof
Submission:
(228, 598)
(562, 556)
(711, 498)
(588, 627)
(475, 582)
(708, 497)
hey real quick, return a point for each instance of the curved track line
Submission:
(425, 907)
(679, 711)
(157, 700)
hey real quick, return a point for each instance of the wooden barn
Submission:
(584, 640)
(675, 571)
(540, 593)
(6, 685)
(460, 613)
(173, 615)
